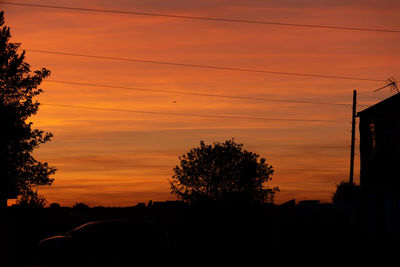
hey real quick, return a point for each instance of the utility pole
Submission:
(353, 136)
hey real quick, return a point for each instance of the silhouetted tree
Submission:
(55, 205)
(140, 205)
(80, 205)
(31, 199)
(222, 172)
(347, 193)
(19, 170)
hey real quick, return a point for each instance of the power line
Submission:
(201, 94)
(193, 115)
(206, 66)
(204, 18)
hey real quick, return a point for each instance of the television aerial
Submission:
(392, 83)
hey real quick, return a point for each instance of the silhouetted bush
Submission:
(31, 199)
(347, 193)
(140, 205)
(80, 205)
(55, 205)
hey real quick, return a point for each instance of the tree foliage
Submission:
(80, 205)
(19, 170)
(222, 172)
(31, 199)
(55, 205)
(347, 193)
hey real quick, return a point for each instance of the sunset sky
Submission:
(116, 158)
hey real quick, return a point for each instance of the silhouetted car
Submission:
(110, 242)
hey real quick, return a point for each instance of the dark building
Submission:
(380, 146)
(380, 164)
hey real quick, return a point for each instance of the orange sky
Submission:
(116, 158)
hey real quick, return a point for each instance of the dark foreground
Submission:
(262, 234)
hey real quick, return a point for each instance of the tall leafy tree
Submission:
(19, 170)
(222, 172)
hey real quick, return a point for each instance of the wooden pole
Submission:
(353, 136)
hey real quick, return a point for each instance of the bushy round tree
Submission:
(222, 172)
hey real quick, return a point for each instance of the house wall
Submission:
(380, 152)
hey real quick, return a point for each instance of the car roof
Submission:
(116, 225)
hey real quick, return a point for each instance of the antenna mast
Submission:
(392, 83)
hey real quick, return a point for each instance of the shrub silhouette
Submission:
(80, 205)
(31, 199)
(55, 205)
(347, 193)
